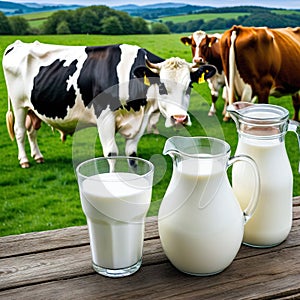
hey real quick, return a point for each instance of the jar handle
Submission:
(249, 210)
(294, 126)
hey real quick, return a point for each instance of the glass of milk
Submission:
(115, 196)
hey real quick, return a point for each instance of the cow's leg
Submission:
(20, 133)
(152, 125)
(296, 104)
(214, 91)
(212, 110)
(35, 151)
(131, 149)
(132, 143)
(247, 94)
(225, 97)
(227, 93)
(106, 125)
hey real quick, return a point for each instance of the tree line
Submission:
(87, 20)
(104, 20)
(257, 19)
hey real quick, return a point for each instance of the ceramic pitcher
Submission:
(200, 221)
(261, 135)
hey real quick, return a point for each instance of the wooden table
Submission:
(57, 265)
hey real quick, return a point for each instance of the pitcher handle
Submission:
(249, 210)
(294, 126)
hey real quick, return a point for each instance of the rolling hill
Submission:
(12, 8)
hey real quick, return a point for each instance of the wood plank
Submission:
(76, 261)
(262, 278)
(34, 242)
(61, 262)
(39, 265)
(73, 236)
(296, 200)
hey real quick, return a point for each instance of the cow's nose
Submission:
(180, 119)
(198, 60)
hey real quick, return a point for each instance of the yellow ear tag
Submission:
(201, 79)
(209, 45)
(146, 80)
(187, 44)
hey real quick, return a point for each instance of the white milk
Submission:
(115, 214)
(200, 221)
(272, 220)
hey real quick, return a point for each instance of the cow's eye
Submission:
(162, 89)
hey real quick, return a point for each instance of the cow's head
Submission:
(202, 45)
(173, 78)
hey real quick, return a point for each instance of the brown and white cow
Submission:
(206, 49)
(116, 88)
(265, 60)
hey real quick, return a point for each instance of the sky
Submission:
(216, 3)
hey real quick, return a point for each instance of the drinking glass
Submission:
(115, 195)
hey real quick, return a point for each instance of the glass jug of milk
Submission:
(200, 221)
(261, 131)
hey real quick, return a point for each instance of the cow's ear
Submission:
(212, 41)
(145, 73)
(186, 40)
(205, 71)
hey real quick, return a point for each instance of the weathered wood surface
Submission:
(57, 265)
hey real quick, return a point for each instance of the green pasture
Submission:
(204, 16)
(37, 15)
(37, 19)
(46, 196)
(285, 12)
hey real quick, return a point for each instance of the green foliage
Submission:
(96, 20)
(63, 28)
(190, 26)
(104, 20)
(159, 28)
(140, 26)
(204, 16)
(111, 25)
(19, 25)
(258, 19)
(271, 20)
(89, 22)
(151, 13)
(46, 196)
(50, 27)
(4, 25)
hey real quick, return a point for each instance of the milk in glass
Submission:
(115, 205)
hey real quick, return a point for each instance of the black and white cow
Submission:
(115, 87)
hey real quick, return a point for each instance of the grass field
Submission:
(204, 16)
(46, 196)
(37, 19)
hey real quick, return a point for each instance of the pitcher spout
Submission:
(182, 147)
(237, 109)
(172, 146)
